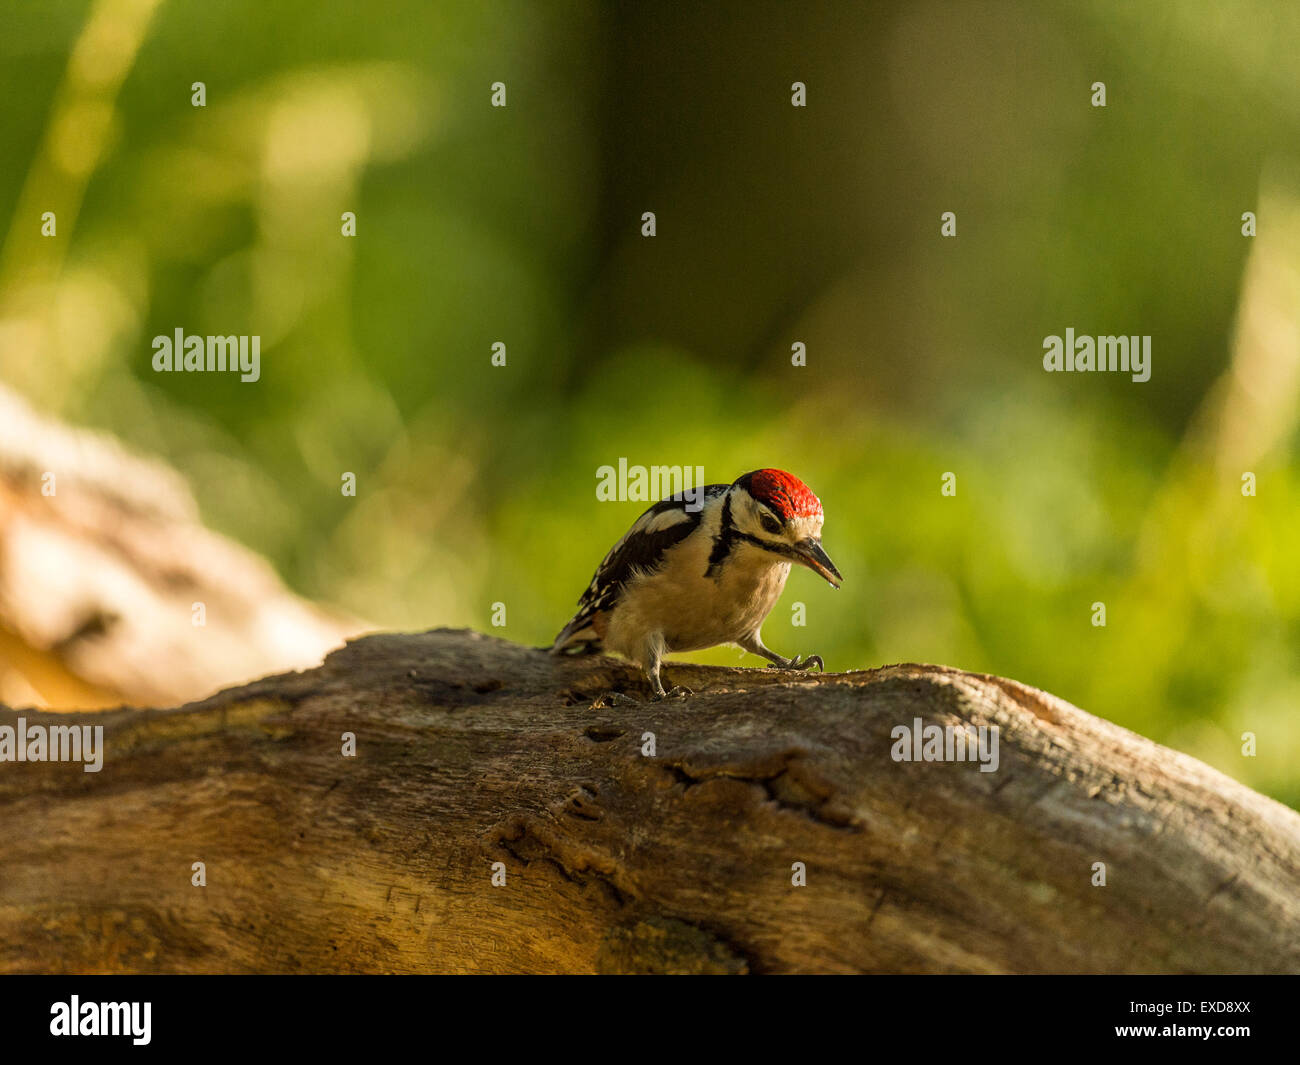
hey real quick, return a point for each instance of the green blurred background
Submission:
(776, 224)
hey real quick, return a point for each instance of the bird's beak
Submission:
(809, 553)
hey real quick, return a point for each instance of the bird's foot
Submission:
(805, 663)
(677, 692)
(614, 699)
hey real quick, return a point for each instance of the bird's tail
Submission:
(580, 647)
(578, 638)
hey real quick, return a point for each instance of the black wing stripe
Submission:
(641, 550)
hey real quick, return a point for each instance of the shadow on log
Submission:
(472, 751)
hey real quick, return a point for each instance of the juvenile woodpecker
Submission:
(688, 576)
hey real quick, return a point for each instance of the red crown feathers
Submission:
(785, 494)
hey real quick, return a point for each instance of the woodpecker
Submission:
(700, 569)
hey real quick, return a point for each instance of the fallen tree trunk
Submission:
(106, 571)
(472, 751)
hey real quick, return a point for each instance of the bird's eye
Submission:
(771, 524)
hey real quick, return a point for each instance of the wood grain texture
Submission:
(473, 750)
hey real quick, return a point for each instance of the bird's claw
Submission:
(622, 699)
(798, 662)
(614, 699)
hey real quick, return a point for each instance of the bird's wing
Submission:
(641, 550)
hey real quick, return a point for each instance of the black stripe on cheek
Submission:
(723, 542)
(768, 545)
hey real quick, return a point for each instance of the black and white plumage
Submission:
(641, 551)
(687, 576)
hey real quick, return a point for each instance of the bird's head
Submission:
(777, 512)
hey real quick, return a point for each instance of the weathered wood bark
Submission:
(472, 751)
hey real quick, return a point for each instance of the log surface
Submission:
(471, 751)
